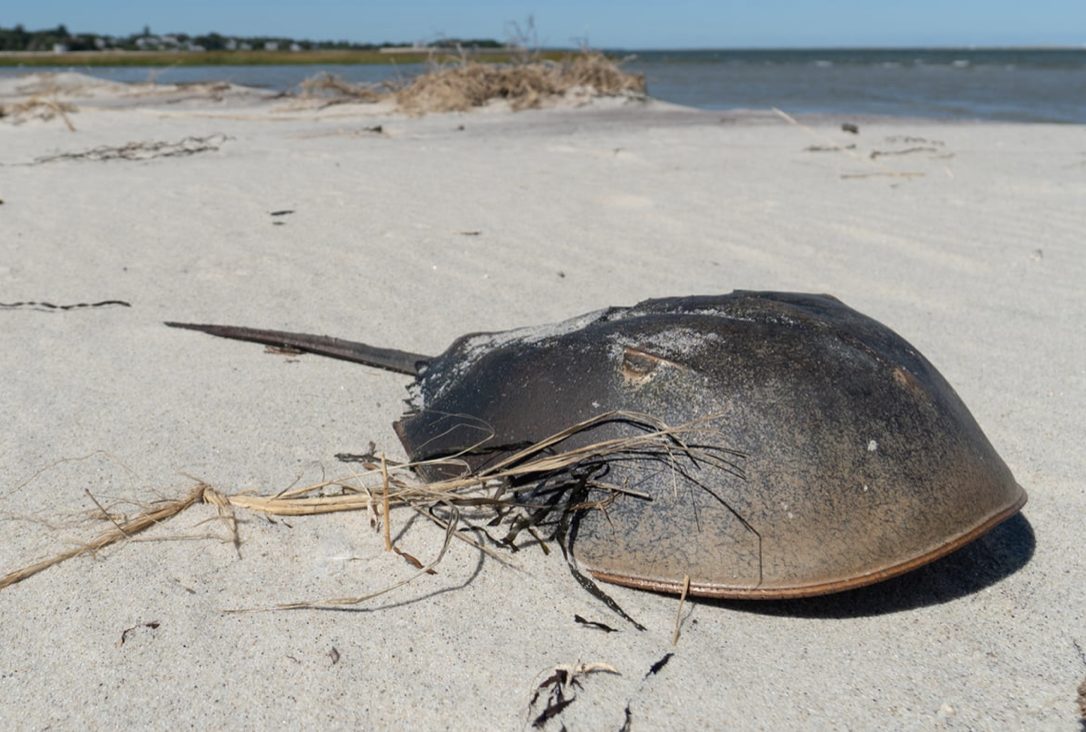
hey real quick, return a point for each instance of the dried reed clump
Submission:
(333, 89)
(42, 108)
(524, 85)
(538, 487)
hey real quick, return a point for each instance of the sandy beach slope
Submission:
(968, 239)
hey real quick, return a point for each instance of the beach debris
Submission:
(884, 174)
(121, 530)
(39, 108)
(153, 625)
(913, 140)
(659, 665)
(829, 148)
(527, 84)
(594, 624)
(143, 150)
(875, 154)
(1082, 699)
(528, 81)
(412, 560)
(329, 89)
(50, 307)
(334, 655)
(628, 720)
(284, 212)
(679, 611)
(721, 437)
(558, 689)
(850, 128)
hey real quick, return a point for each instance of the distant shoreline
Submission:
(256, 58)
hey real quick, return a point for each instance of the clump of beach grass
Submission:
(527, 82)
(524, 85)
(332, 89)
(40, 108)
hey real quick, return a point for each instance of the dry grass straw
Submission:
(466, 84)
(679, 611)
(449, 503)
(38, 107)
(120, 531)
(330, 89)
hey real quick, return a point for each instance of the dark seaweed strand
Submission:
(656, 667)
(567, 534)
(595, 625)
(553, 487)
(51, 306)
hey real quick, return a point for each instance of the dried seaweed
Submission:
(559, 688)
(50, 307)
(659, 665)
(153, 625)
(876, 154)
(594, 624)
(143, 150)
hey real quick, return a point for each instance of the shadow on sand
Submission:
(998, 554)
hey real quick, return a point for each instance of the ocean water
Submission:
(1026, 85)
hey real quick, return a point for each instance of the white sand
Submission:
(979, 262)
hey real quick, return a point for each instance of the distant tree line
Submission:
(20, 39)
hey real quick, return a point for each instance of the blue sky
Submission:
(628, 24)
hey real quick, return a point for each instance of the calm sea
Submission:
(1017, 85)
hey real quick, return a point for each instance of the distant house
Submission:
(271, 46)
(60, 48)
(295, 47)
(243, 46)
(231, 44)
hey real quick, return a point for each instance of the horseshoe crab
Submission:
(859, 460)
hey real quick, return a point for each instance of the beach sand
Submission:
(971, 247)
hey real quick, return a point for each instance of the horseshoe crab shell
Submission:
(861, 462)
